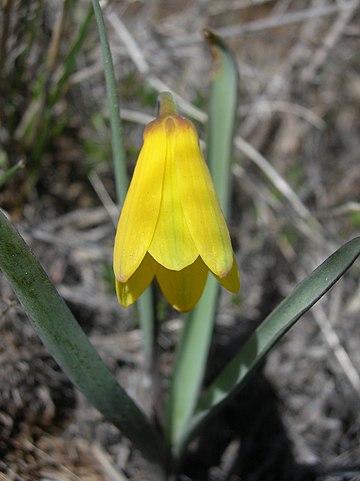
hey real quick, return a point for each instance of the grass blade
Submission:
(62, 335)
(69, 64)
(265, 337)
(196, 338)
(38, 126)
(5, 176)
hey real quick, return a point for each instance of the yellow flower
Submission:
(171, 226)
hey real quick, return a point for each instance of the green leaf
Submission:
(222, 116)
(190, 362)
(265, 337)
(194, 346)
(121, 178)
(62, 335)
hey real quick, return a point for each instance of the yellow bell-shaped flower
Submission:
(171, 226)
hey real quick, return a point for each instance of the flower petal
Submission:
(172, 245)
(231, 281)
(142, 204)
(128, 292)
(183, 289)
(200, 204)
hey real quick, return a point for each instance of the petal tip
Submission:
(231, 281)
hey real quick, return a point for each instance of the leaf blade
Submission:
(265, 337)
(121, 178)
(64, 338)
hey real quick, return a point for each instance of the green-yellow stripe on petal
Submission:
(128, 292)
(183, 289)
(172, 245)
(142, 204)
(200, 204)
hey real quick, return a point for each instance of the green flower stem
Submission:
(62, 335)
(167, 104)
(190, 363)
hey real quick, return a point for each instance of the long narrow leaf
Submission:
(265, 337)
(62, 335)
(222, 116)
(196, 338)
(121, 178)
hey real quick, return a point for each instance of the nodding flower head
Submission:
(171, 226)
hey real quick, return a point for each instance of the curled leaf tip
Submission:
(213, 39)
(207, 34)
